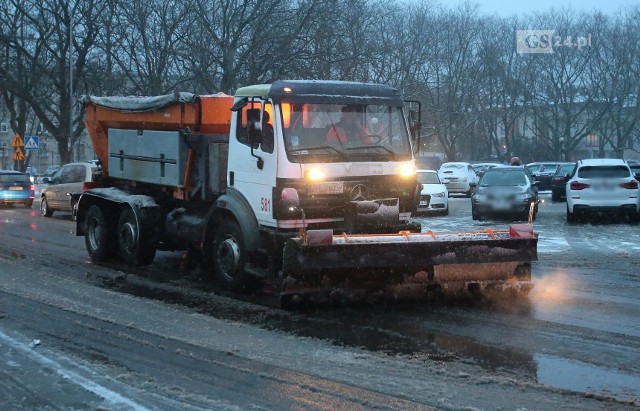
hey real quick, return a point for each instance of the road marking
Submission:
(111, 397)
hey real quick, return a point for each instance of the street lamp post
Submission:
(69, 145)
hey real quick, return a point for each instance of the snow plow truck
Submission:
(267, 185)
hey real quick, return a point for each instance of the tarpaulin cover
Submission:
(134, 103)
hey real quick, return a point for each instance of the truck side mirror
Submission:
(254, 133)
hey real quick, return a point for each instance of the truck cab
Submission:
(345, 148)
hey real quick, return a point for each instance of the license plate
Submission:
(502, 206)
(327, 188)
(424, 203)
(15, 188)
(604, 187)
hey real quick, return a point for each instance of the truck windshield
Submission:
(344, 132)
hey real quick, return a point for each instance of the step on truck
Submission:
(307, 184)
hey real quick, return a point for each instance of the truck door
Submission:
(255, 175)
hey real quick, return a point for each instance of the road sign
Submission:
(31, 142)
(18, 155)
(16, 141)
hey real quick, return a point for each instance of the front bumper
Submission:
(432, 203)
(502, 208)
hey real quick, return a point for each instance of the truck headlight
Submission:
(315, 174)
(408, 171)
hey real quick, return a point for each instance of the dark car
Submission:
(635, 168)
(559, 181)
(543, 173)
(16, 188)
(505, 191)
(480, 168)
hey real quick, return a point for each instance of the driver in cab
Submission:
(349, 129)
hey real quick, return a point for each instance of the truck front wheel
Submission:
(98, 236)
(229, 256)
(134, 249)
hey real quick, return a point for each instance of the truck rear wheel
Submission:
(134, 249)
(98, 236)
(229, 256)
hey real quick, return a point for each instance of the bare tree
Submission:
(450, 77)
(503, 97)
(150, 34)
(614, 68)
(51, 28)
(566, 105)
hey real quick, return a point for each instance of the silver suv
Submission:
(65, 186)
(602, 186)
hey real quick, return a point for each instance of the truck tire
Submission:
(229, 256)
(134, 249)
(45, 210)
(99, 237)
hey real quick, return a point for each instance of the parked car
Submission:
(32, 172)
(602, 186)
(543, 173)
(457, 176)
(505, 191)
(434, 194)
(480, 168)
(559, 181)
(65, 186)
(50, 170)
(635, 168)
(16, 188)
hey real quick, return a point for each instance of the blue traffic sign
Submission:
(31, 142)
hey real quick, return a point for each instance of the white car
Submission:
(434, 196)
(65, 186)
(602, 186)
(457, 176)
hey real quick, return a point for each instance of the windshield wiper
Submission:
(341, 154)
(393, 154)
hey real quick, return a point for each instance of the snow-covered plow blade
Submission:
(411, 264)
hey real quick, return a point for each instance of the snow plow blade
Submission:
(466, 262)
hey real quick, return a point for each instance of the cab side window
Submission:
(249, 113)
(267, 129)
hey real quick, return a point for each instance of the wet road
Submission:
(574, 343)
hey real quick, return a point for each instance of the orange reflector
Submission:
(521, 230)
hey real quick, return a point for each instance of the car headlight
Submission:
(438, 194)
(480, 197)
(523, 197)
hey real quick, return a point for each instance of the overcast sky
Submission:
(506, 8)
